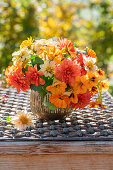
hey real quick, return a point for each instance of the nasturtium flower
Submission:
(60, 101)
(94, 90)
(91, 53)
(104, 85)
(100, 72)
(80, 85)
(83, 100)
(92, 79)
(57, 88)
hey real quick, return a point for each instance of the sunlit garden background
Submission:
(86, 23)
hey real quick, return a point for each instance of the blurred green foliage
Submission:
(87, 23)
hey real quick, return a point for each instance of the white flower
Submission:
(48, 68)
(90, 63)
(40, 45)
(21, 55)
(22, 120)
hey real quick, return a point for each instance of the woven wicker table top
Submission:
(86, 124)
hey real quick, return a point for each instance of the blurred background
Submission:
(86, 23)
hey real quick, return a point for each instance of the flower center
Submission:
(49, 70)
(68, 72)
(24, 120)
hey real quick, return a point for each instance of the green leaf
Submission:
(8, 119)
(38, 60)
(36, 88)
(50, 106)
(40, 90)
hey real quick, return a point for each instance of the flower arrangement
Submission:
(69, 75)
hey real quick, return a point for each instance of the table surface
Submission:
(88, 124)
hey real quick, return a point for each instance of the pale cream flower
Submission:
(90, 63)
(21, 55)
(48, 68)
(42, 46)
(22, 120)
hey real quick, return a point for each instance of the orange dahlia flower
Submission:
(67, 70)
(83, 100)
(55, 54)
(60, 101)
(91, 53)
(67, 46)
(18, 80)
(80, 85)
(33, 75)
(57, 88)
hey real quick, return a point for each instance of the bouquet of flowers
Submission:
(69, 75)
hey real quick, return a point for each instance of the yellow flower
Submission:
(104, 85)
(91, 53)
(27, 43)
(57, 88)
(92, 79)
(22, 120)
(80, 86)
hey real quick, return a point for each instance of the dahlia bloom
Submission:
(90, 63)
(27, 43)
(83, 100)
(22, 120)
(21, 55)
(67, 46)
(33, 75)
(67, 70)
(18, 80)
(48, 68)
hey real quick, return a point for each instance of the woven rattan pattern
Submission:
(85, 124)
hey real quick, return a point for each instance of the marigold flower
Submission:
(100, 72)
(80, 85)
(60, 101)
(67, 70)
(92, 79)
(91, 53)
(22, 120)
(27, 43)
(67, 46)
(33, 75)
(83, 100)
(18, 80)
(48, 68)
(57, 88)
(104, 85)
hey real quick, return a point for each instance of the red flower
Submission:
(83, 100)
(18, 80)
(80, 60)
(67, 46)
(33, 75)
(67, 70)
